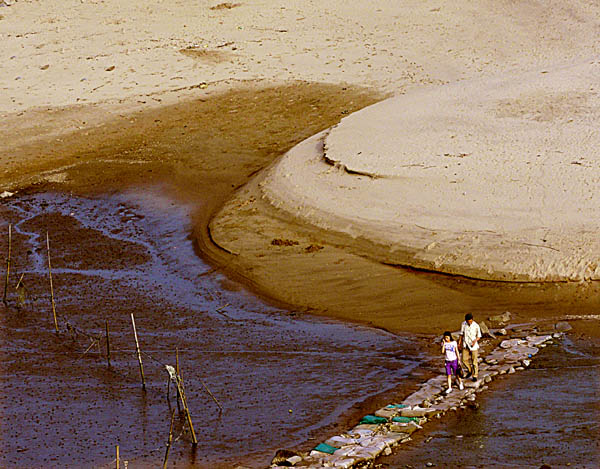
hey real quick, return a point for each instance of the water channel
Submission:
(281, 378)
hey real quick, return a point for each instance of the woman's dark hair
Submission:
(448, 334)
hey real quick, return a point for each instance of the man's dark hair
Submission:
(468, 316)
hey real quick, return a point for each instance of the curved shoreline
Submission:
(322, 273)
(395, 49)
(381, 180)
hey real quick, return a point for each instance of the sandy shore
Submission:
(100, 94)
(495, 179)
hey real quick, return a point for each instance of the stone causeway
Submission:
(377, 434)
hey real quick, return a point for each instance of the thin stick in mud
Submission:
(186, 409)
(117, 456)
(177, 373)
(20, 289)
(107, 343)
(139, 353)
(7, 264)
(170, 440)
(51, 286)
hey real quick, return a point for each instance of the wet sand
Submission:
(104, 97)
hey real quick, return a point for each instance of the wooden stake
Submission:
(51, 287)
(107, 343)
(186, 409)
(177, 371)
(117, 456)
(21, 293)
(169, 441)
(139, 353)
(7, 264)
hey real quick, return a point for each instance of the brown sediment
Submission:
(202, 150)
(342, 281)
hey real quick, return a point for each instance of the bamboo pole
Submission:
(212, 395)
(21, 293)
(139, 353)
(7, 264)
(107, 343)
(177, 371)
(169, 441)
(20, 281)
(117, 456)
(186, 409)
(51, 287)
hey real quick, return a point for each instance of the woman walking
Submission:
(450, 351)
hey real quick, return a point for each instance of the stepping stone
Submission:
(341, 441)
(509, 343)
(534, 340)
(364, 429)
(472, 384)
(386, 413)
(418, 412)
(407, 428)
(358, 452)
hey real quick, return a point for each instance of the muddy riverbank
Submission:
(281, 378)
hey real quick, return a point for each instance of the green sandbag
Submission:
(372, 419)
(405, 419)
(325, 448)
(396, 406)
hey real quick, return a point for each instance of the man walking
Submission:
(470, 333)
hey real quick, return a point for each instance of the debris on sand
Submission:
(284, 242)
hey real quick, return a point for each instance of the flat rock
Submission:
(563, 326)
(500, 318)
(417, 412)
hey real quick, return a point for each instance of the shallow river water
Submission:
(280, 377)
(548, 414)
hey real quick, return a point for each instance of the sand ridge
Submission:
(496, 179)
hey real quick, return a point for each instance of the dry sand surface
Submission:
(100, 94)
(494, 179)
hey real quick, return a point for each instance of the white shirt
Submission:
(470, 333)
(451, 349)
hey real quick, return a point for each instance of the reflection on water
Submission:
(278, 375)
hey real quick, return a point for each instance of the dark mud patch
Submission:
(101, 250)
(282, 379)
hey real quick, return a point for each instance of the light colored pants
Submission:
(470, 359)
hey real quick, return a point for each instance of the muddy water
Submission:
(280, 378)
(547, 414)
